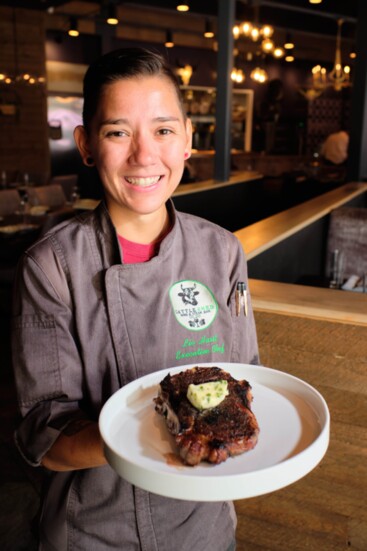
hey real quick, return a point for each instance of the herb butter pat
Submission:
(207, 395)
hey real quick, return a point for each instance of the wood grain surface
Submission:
(207, 185)
(326, 510)
(266, 233)
(306, 301)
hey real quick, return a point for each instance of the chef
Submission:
(130, 288)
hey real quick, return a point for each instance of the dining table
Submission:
(21, 229)
(17, 233)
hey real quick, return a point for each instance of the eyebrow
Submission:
(126, 121)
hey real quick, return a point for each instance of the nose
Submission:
(143, 150)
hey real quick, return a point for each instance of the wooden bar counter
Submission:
(266, 233)
(320, 336)
(313, 302)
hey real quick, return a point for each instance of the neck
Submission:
(143, 229)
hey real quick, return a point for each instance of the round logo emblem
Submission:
(193, 304)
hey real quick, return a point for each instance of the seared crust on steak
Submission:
(213, 434)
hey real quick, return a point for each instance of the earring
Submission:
(89, 161)
(186, 155)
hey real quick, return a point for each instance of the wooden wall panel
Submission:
(326, 510)
(24, 143)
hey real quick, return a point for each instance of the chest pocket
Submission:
(180, 324)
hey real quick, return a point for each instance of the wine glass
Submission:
(75, 195)
(336, 269)
(23, 206)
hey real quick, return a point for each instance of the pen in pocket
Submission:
(241, 298)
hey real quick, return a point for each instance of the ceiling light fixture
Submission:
(250, 30)
(112, 18)
(267, 45)
(182, 7)
(278, 52)
(208, 33)
(259, 75)
(237, 75)
(338, 78)
(255, 32)
(315, 1)
(267, 31)
(288, 44)
(169, 40)
(73, 27)
(246, 28)
(236, 32)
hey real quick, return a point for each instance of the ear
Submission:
(81, 140)
(188, 138)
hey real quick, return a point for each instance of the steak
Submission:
(213, 434)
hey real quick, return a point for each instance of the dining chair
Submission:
(347, 234)
(52, 195)
(9, 201)
(68, 182)
(55, 218)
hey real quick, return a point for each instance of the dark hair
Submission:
(123, 64)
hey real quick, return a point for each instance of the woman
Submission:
(100, 301)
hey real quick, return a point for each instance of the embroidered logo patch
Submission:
(193, 304)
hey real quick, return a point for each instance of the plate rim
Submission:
(318, 446)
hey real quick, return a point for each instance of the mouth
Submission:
(143, 182)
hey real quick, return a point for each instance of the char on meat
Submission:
(213, 434)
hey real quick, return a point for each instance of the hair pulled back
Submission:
(122, 64)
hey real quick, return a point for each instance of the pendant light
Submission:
(112, 18)
(169, 39)
(208, 33)
(288, 44)
(73, 27)
(182, 7)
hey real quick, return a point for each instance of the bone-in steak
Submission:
(213, 434)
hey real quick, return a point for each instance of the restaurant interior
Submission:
(266, 83)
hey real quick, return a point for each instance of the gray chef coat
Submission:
(84, 325)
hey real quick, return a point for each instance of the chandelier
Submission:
(262, 36)
(17, 76)
(257, 33)
(259, 75)
(338, 78)
(237, 75)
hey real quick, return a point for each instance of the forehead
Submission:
(140, 91)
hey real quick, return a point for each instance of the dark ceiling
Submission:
(290, 14)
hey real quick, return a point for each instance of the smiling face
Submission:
(138, 140)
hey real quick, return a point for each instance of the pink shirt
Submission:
(134, 253)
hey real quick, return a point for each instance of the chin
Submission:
(148, 206)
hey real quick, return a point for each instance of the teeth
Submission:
(143, 182)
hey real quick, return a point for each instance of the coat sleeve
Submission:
(46, 361)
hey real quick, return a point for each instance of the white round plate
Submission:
(294, 435)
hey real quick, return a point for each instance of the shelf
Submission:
(203, 118)
(200, 106)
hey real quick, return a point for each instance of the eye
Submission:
(165, 131)
(116, 134)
